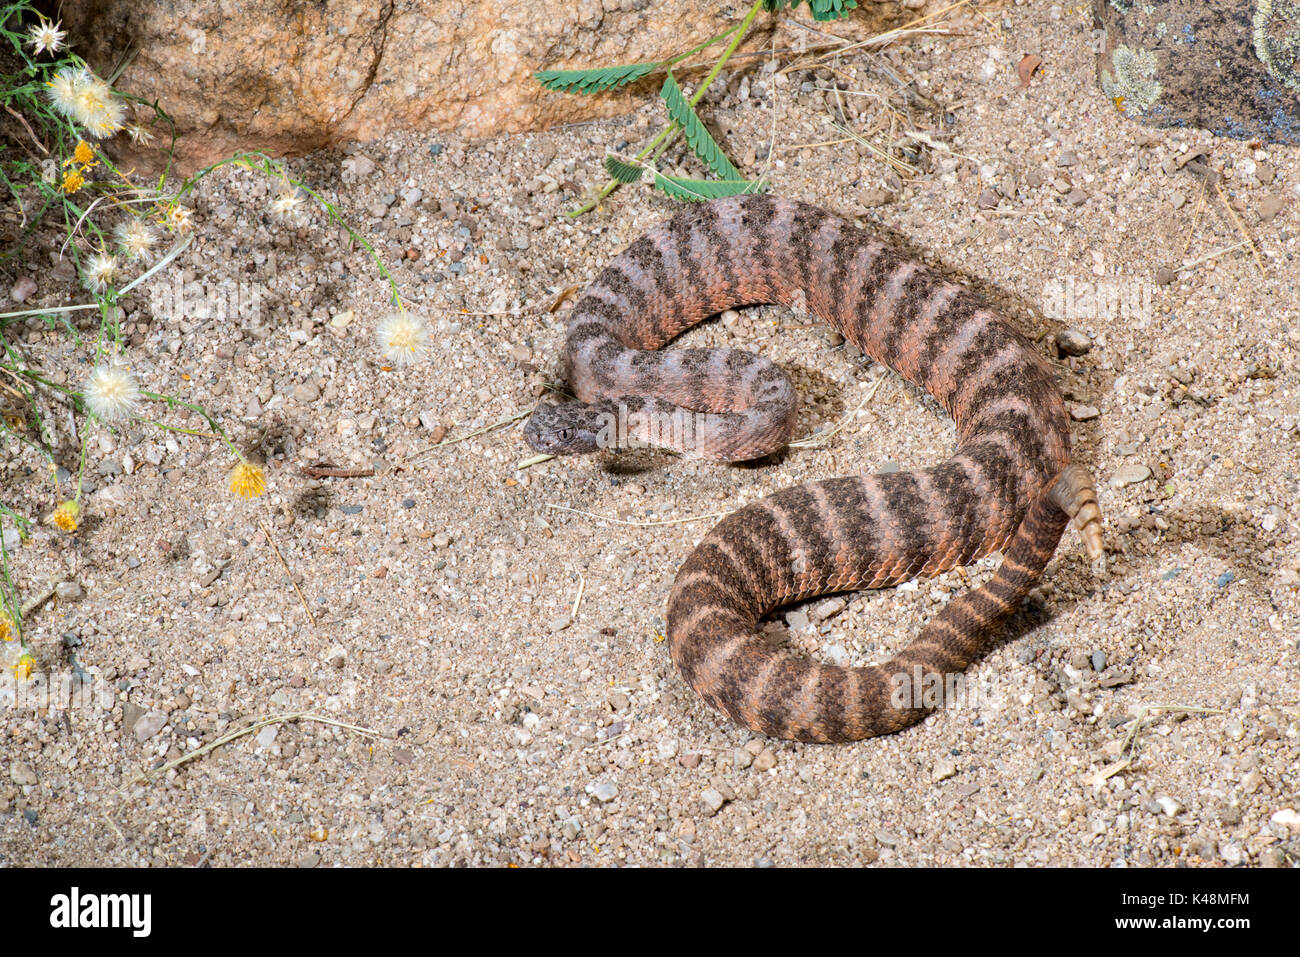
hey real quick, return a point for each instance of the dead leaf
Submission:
(1027, 67)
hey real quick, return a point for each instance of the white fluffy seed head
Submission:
(98, 108)
(403, 338)
(136, 239)
(289, 207)
(112, 392)
(64, 89)
(100, 272)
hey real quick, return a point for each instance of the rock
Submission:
(23, 289)
(319, 74)
(1222, 65)
(21, 773)
(1073, 342)
(1164, 276)
(712, 800)
(1232, 853)
(1098, 661)
(1270, 206)
(1168, 805)
(131, 713)
(1084, 413)
(829, 608)
(796, 620)
(68, 591)
(605, 791)
(765, 760)
(1272, 857)
(989, 199)
(1287, 817)
(944, 768)
(1130, 475)
(148, 725)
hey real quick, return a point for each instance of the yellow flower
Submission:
(73, 181)
(7, 630)
(247, 480)
(65, 516)
(83, 154)
(23, 669)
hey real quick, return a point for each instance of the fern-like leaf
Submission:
(621, 171)
(697, 137)
(821, 9)
(595, 80)
(698, 190)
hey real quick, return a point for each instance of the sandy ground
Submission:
(442, 588)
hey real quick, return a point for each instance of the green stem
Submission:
(217, 430)
(663, 141)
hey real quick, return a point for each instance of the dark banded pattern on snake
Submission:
(1009, 485)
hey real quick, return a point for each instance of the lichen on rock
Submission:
(1131, 81)
(1277, 39)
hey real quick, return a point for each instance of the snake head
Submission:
(572, 428)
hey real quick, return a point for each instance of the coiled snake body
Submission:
(1009, 485)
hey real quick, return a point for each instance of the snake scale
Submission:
(1009, 485)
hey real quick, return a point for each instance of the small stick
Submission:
(1212, 254)
(469, 435)
(249, 729)
(582, 584)
(620, 521)
(330, 471)
(305, 607)
(818, 438)
(36, 601)
(1241, 228)
(19, 117)
(1130, 740)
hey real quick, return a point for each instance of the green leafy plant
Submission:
(681, 112)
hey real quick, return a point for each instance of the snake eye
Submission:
(563, 435)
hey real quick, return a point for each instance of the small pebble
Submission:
(1168, 805)
(148, 725)
(1270, 206)
(944, 768)
(23, 289)
(713, 800)
(605, 791)
(1130, 475)
(1073, 342)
